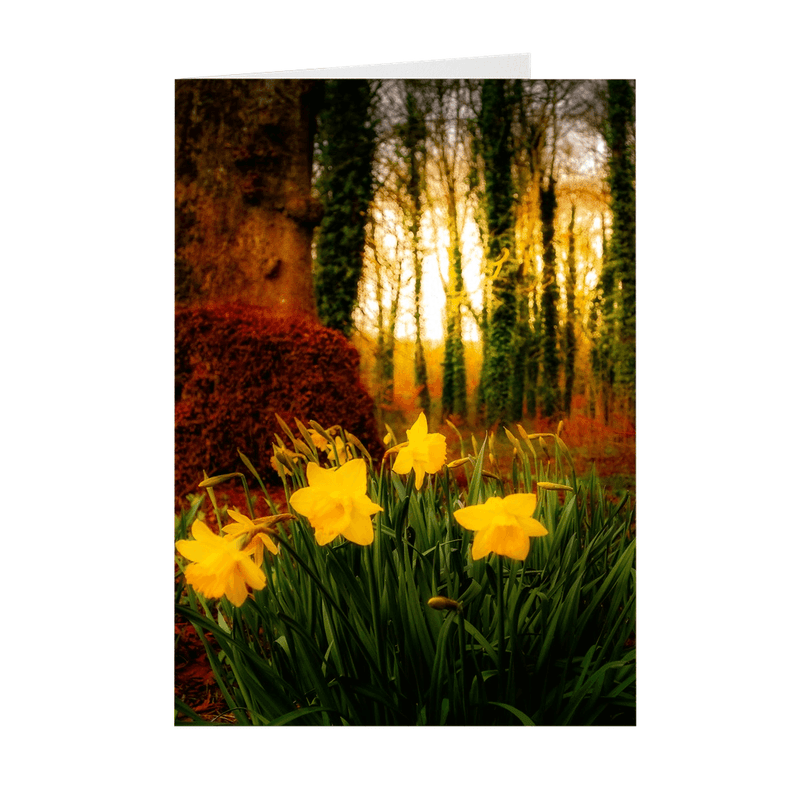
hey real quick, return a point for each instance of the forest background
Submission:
(475, 239)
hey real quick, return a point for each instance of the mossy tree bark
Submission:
(570, 323)
(346, 188)
(414, 134)
(604, 333)
(614, 351)
(622, 248)
(549, 388)
(389, 283)
(244, 213)
(494, 127)
(447, 134)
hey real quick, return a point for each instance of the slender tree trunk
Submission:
(535, 358)
(454, 379)
(549, 300)
(414, 141)
(570, 323)
(602, 355)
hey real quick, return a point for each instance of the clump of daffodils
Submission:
(336, 502)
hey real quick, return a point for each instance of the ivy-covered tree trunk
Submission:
(549, 390)
(414, 142)
(346, 146)
(244, 214)
(384, 343)
(622, 255)
(522, 345)
(535, 352)
(387, 322)
(454, 377)
(604, 304)
(569, 325)
(495, 148)
(423, 395)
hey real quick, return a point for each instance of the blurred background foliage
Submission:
(473, 239)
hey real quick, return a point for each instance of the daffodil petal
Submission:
(419, 430)
(352, 477)
(269, 543)
(520, 505)
(360, 530)
(306, 500)
(481, 545)
(404, 461)
(318, 476)
(202, 532)
(232, 530)
(473, 518)
(532, 527)
(193, 550)
(256, 546)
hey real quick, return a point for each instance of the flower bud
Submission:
(269, 522)
(218, 479)
(443, 603)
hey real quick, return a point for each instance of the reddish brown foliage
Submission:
(194, 679)
(236, 367)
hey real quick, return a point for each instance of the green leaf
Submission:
(291, 716)
(482, 641)
(523, 718)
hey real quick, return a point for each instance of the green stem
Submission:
(249, 499)
(501, 620)
(463, 654)
(364, 649)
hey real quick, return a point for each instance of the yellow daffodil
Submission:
(244, 526)
(319, 441)
(241, 525)
(335, 502)
(425, 452)
(221, 567)
(504, 525)
(337, 450)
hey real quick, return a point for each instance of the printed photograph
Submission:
(405, 402)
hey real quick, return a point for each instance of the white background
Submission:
(87, 440)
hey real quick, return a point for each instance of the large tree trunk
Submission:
(244, 214)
